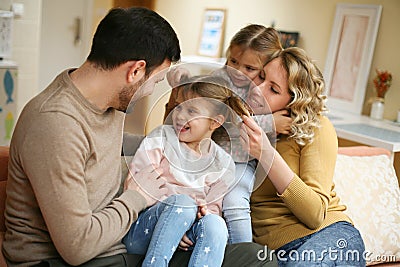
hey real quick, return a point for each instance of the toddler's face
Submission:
(243, 66)
(193, 120)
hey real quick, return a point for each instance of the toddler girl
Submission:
(197, 173)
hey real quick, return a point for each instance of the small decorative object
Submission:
(289, 39)
(377, 108)
(382, 82)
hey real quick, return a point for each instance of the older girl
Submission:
(249, 50)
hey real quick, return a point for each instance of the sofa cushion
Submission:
(368, 186)
(2, 204)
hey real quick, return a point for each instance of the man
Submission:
(65, 153)
(63, 206)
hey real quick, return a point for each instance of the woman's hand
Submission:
(253, 138)
(256, 141)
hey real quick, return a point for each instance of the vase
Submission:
(378, 106)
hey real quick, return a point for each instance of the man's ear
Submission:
(137, 70)
(217, 122)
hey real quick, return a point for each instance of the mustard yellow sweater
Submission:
(309, 203)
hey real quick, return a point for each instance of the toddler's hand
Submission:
(202, 211)
(201, 208)
(282, 121)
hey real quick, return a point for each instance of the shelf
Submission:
(364, 130)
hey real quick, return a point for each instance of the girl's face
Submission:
(244, 66)
(194, 121)
(272, 93)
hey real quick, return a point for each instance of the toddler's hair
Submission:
(264, 41)
(215, 87)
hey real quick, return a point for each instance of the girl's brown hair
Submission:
(264, 41)
(214, 87)
(227, 103)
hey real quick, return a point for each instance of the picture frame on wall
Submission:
(212, 33)
(350, 53)
(289, 39)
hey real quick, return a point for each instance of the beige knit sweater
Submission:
(309, 203)
(64, 176)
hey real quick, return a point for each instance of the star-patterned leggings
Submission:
(159, 229)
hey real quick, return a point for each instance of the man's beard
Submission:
(127, 93)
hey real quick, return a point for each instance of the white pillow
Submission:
(368, 186)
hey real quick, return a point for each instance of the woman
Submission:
(296, 211)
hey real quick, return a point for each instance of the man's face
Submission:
(144, 87)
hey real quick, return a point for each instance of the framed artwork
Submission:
(212, 33)
(289, 39)
(350, 54)
(6, 18)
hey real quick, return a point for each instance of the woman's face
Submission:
(244, 66)
(272, 93)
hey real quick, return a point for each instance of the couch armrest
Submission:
(4, 154)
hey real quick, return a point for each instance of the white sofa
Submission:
(366, 182)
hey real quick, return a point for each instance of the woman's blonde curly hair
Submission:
(306, 86)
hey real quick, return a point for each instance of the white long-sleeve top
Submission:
(205, 178)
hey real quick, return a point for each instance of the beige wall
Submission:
(312, 18)
(25, 50)
(5, 4)
(100, 9)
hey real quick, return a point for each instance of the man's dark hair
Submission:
(133, 34)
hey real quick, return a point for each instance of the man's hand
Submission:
(185, 243)
(148, 183)
(175, 76)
